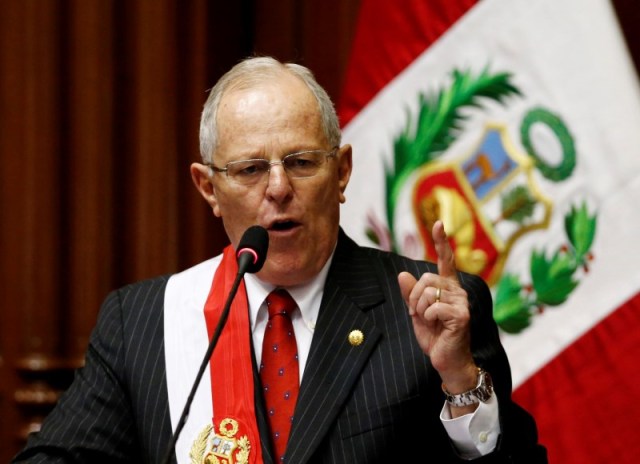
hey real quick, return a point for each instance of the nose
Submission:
(278, 183)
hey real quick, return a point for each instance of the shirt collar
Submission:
(307, 296)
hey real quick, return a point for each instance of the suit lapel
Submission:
(334, 364)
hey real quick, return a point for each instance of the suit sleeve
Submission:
(518, 442)
(93, 420)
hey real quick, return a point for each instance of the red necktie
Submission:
(279, 369)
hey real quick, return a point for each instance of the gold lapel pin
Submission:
(356, 337)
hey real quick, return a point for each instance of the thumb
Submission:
(406, 282)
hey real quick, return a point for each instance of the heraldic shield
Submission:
(486, 201)
(224, 447)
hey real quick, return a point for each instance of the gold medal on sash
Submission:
(222, 447)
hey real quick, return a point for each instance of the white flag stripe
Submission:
(568, 57)
(601, 291)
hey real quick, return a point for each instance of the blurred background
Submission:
(99, 111)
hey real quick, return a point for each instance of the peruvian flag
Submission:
(517, 123)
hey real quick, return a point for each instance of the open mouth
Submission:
(283, 225)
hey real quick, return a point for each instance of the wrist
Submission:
(461, 380)
(481, 392)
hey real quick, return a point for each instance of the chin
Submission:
(284, 273)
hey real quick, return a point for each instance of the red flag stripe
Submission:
(589, 394)
(387, 40)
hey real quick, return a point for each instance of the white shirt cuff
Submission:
(476, 434)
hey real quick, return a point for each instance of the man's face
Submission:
(301, 215)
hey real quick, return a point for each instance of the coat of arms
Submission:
(222, 447)
(488, 199)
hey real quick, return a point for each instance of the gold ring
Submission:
(438, 293)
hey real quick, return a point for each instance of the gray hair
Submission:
(251, 72)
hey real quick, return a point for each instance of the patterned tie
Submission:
(279, 369)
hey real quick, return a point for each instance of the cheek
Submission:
(326, 207)
(333, 195)
(238, 209)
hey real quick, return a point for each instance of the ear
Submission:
(201, 176)
(345, 165)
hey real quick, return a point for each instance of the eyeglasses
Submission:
(297, 165)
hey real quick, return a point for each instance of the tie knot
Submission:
(279, 301)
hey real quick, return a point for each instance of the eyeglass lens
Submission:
(297, 165)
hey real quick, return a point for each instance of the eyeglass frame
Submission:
(328, 154)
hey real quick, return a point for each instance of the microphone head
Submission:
(252, 249)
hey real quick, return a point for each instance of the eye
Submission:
(248, 168)
(302, 160)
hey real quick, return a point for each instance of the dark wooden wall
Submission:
(99, 109)
(100, 104)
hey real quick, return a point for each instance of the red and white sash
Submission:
(228, 429)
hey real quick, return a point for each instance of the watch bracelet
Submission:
(469, 397)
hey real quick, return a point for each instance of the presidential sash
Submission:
(232, 437)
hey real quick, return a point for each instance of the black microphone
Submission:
(252, 249)
(251, 254)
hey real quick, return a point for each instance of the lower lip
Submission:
(284, 232)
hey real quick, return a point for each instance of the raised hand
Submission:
(439, 309)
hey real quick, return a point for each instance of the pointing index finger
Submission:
(446, 259)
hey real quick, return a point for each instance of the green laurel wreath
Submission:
(437, 125)
(553, 278)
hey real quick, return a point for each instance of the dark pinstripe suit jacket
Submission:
(378, 402)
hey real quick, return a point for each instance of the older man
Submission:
(333, 353)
